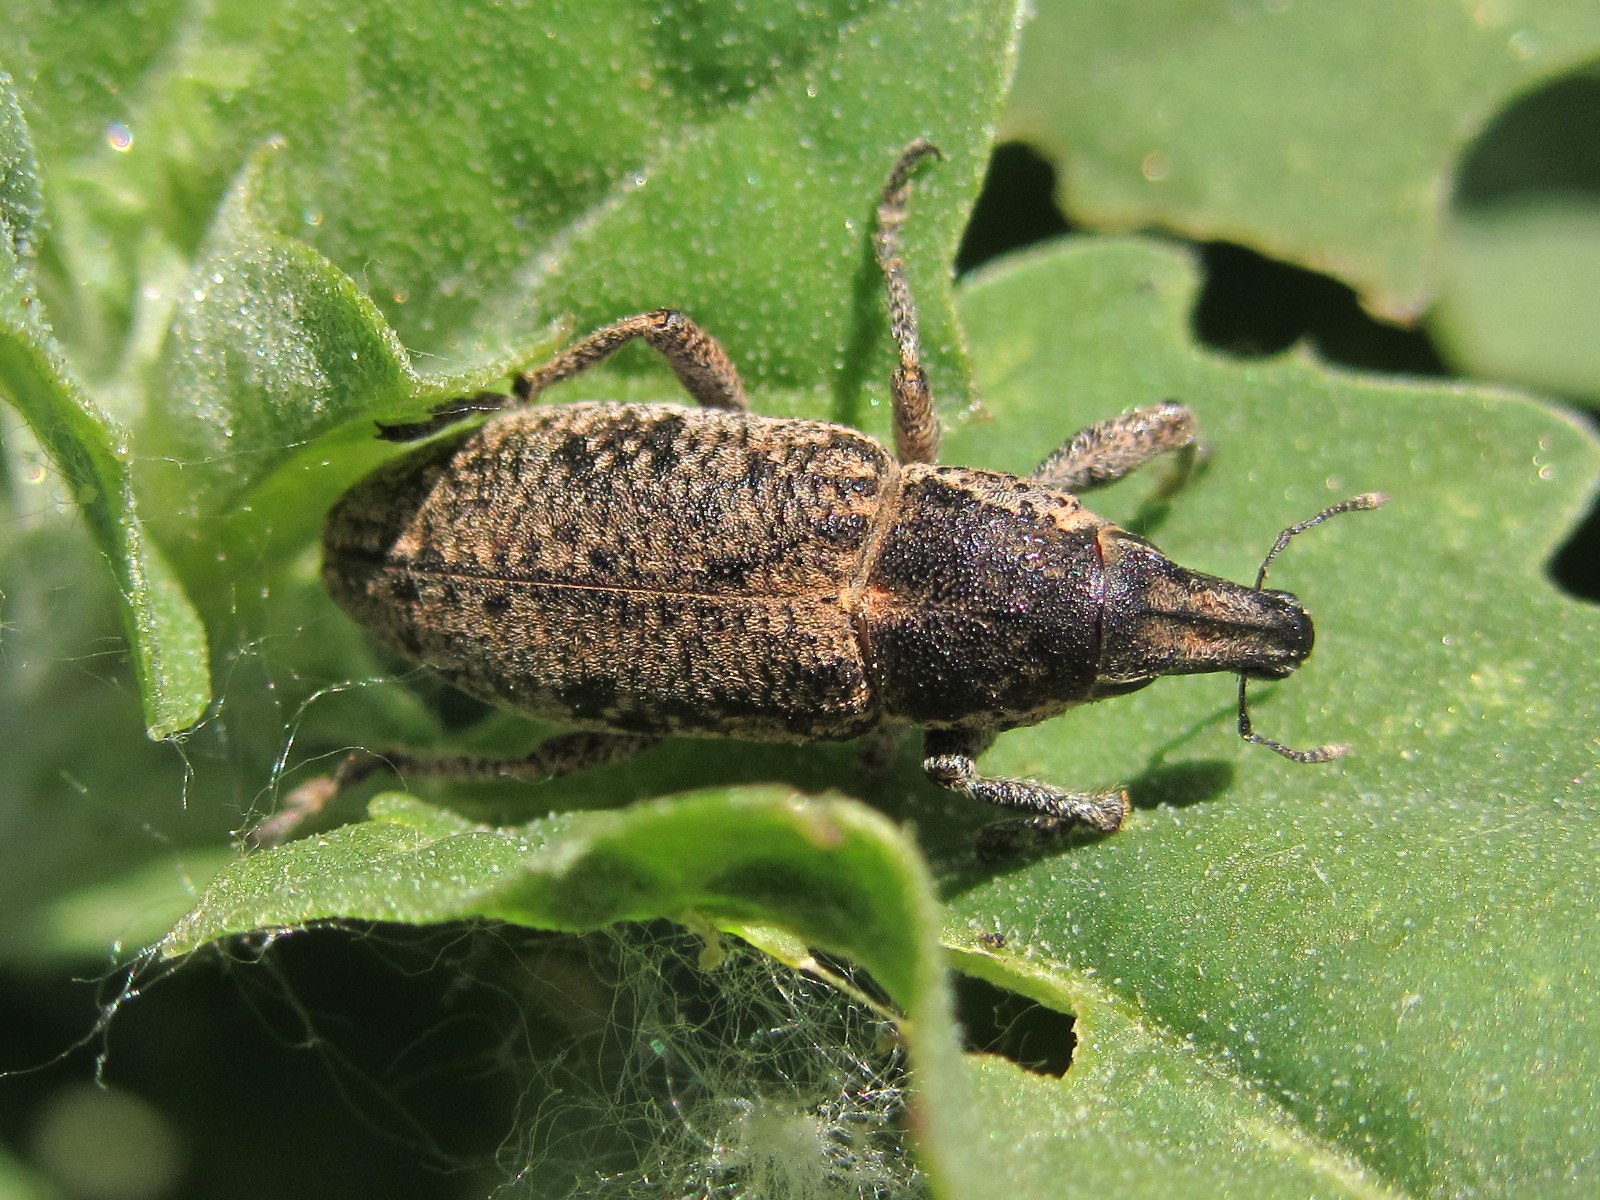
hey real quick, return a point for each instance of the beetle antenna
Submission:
(1333, 750)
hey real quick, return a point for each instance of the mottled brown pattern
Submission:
(648, 568)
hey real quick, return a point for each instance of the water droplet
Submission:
(119, 137)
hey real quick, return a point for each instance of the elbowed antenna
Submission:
(1331, 751)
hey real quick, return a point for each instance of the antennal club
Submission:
(1333, 750)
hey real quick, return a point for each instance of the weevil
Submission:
(640, 571)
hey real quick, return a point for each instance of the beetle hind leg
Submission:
(558, 755)
(1110, 450)
(696, 358)
(950, 761)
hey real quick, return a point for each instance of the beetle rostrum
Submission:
(639, 571)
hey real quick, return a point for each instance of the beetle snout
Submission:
(1162, 619)
(1284, 631)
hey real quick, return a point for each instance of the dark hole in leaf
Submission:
(1576, 566)
(1016, 207)
(1004, 1023)
(1250, 306)
(1253, 306)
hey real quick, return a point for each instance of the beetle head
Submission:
(1160, 619)
(1163, 619)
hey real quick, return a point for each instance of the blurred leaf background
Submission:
(234, 235)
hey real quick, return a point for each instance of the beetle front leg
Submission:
(949, 761)
(1109, 450)
(696, 358)
(561, 754)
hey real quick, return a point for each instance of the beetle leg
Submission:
(916, 424)
(696, 358)
(561, 754)
(876, 752)
(949, 761)
(1108, 450)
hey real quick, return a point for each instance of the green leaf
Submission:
(272, 347)
(21, 198)
(1324, 134)
(1385, 948)
(105, 835)
(834, 872)
(1517, 300)
(741, 193)
(18, 1182)
(89, 72)
(733, 146)
(400, 228)
(1344, 980)
(90, 452)
(1142, 1112)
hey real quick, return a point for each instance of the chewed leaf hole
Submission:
(1010, 1025)
(1016, 207)
(1253, 306)
(1576, 566)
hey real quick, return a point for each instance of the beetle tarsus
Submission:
(301, 805)
(951, 764)
(309, 799)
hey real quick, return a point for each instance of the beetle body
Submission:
(659, 569)
(637, 571)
